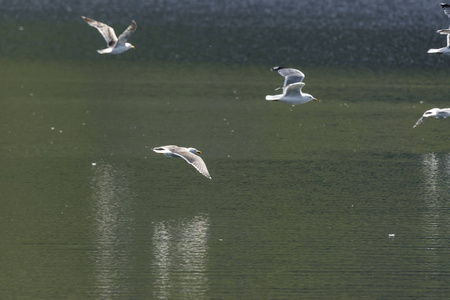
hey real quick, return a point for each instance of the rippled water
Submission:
(334, 199)
(348, 33)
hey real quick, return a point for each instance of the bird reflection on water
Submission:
(436, 173)
(112, 237)
(180, 258)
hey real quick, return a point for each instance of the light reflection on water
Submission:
(295, 218)
(180, 258)
(430, 165)
(112, 237)
(436, 172)
(176, 249)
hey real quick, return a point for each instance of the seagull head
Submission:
(129, 46)
(309, 97)
(193, 150)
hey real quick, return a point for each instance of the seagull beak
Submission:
(315, 99)
(198, 151)
(133, 47)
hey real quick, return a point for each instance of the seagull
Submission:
(292, 88)
(437, 113)
(187, 154)
(443, 50)
(115, 45)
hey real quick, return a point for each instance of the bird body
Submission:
(437, 113)
(115, 45)
(443, 50)
(188, 154)
(292, 87)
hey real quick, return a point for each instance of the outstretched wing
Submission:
(446, 9)
(419, 121)
(290, 75)
(106, 31)
(194, 160)
(444, 113)
(294, 89)
(126, 34)
(447, 32)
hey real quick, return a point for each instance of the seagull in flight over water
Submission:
(292, 88)
(188, 154)
(115, 45)
(443, 50)
(437, 113)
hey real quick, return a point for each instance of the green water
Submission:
(301, 202)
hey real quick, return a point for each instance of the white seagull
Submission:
(437, 113)
(443, 50)
(292, 88)
(187, 154)
(115, 45)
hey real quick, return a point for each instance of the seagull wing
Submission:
(294, 89)
(447, 32)
(446, 9)
(192, 159)
(419, 121)
(106, 31)
(290, 75)
(126, 34)
(444, 113)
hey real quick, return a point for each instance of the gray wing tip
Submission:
(206, 174)
(202, 170)
(277, 68)
(446, 8)
(200, 165)
(87, 19)
(287, 71)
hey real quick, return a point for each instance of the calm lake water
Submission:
(337, 199)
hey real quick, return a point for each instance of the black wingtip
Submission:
(277, 68)
(445, 5)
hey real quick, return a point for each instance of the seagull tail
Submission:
(104, 51)
(273, 98)
(437, 51)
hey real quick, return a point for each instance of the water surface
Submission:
(335, 199)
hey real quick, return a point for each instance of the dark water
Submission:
(338, 199)
(348, 33)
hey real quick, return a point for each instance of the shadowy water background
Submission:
(337, 199)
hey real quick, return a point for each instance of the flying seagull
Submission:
(443, 50)
(115, 45)
(187, 154)
(437, 113)
(292, 88)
